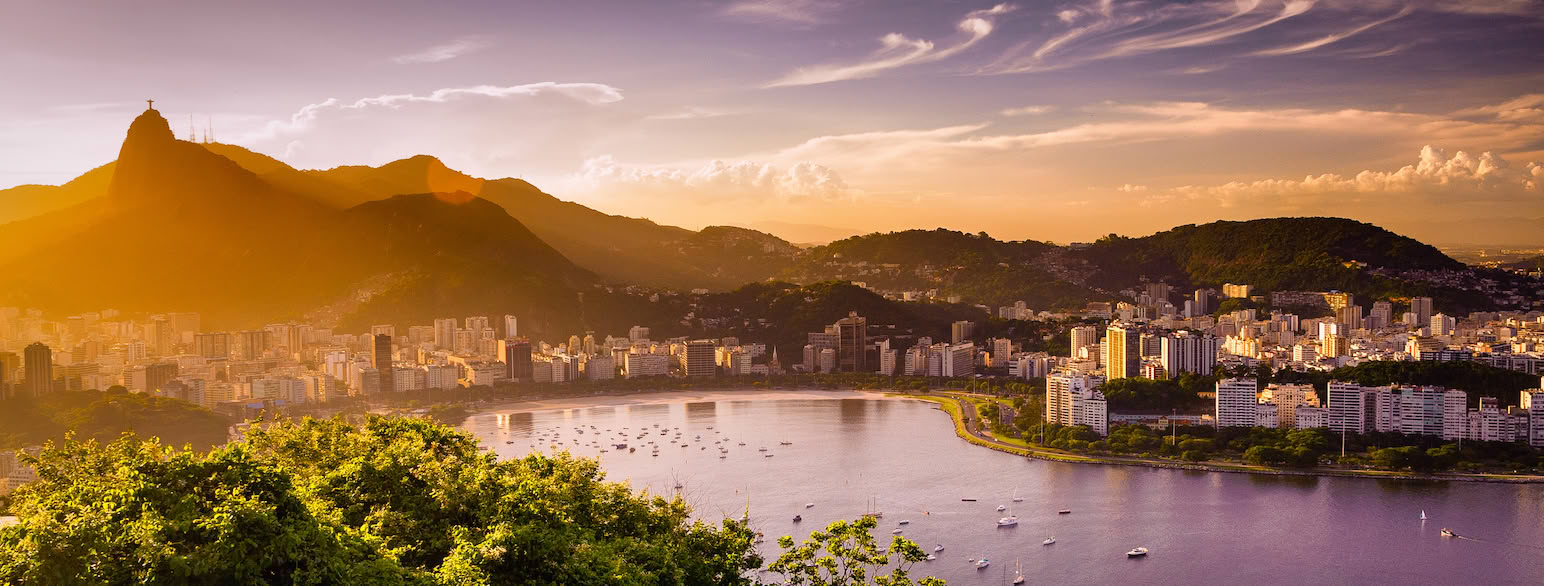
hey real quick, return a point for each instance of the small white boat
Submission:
(905, 521)
(809, 505)
(931, 557)
(1448, 532)
(1423, 514)
(1008, 521)
(1002, 507)
(1018, 572)
(982, 563)
(769, 455)
(940, 547)
(1064, 512)
(1136, 553)
(897, 531)
(1048, 541)
(762, 449)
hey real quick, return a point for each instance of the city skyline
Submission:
(1057, 121)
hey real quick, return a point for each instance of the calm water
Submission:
(903, 455)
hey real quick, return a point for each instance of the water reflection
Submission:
(853, 456)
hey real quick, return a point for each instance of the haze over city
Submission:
(817, 119)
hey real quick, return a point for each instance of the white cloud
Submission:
(444, 51)
(1129, 188)
(741, 181)
(486, 130)
(898, 50)
(1026, 111)
(690, 113)
(801, 12)
(1487, 177)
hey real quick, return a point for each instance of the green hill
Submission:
(977, 267)
(104, 415)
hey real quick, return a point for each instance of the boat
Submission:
(1018, 572)
(785, 443)
(896, 531)
(1002, 507)
(1008, 521)
(931, 557)
(1448, 532)
(1048, 541)
(768, 455)
(809, 505)
(762, 449)
(967, 500)
(939, 547)
(797, 518)
(982, 563)
(1423, 514)
(1136, 553)
(1064, 512)
(905, 522)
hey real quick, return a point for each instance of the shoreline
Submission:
(951, 406)
(678, 396)
(955, 414)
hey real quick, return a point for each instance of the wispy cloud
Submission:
(1026, 111)
(1333, 37)
(898, 50)
(1103, 29)
(690, 113)
(444, 51)
(799, 12)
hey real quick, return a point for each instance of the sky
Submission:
(1059, 121)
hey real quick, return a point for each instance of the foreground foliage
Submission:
(392, 501)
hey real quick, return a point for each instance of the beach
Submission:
(548, 404)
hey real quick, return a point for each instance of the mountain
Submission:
(618, 248)
(183, 228)
(1309, 254)
(25, 201)
(977, 267)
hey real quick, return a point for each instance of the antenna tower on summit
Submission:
(190, 128)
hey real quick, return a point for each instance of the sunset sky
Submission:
(1027, 119)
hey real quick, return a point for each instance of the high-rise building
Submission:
(1350, 316)
(8, 367)
(1083, 337)
(1236, 402)
(852, 343)
(216, 345)
(445, 333)
(515, 353)
(1200, 306)
(1352, 407)
(511, 326)
(1382, 315)
(1535, 417)
(1288, 398)
(1442, 325)
(380, 360)
(1123, 352)
(253, 344)
(39, 364)
(962, 331)
(958, 360)
(163, 337)
(1074, 399)
(637, 334)
(1421, 307)
(1188, 352)
(701, 358)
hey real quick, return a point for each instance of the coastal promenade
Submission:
(968, 426)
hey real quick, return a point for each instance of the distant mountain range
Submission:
(240, 236)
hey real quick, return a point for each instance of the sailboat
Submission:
(1018, 572)
(1423, 514)
(1016, 497)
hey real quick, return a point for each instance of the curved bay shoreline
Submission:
(952, 407)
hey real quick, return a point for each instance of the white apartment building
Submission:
(1074, 399)
(1236, 402)
(638, 365)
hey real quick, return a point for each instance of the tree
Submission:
(391, 501)
(845, 554)
(1266, 456)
